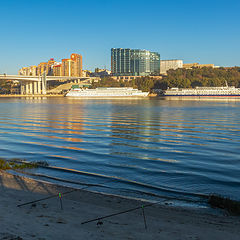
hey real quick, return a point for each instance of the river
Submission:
(146, 148)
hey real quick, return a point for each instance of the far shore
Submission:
(47, 95)
(31, 95)
(46, 220)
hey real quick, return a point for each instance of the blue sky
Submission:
(195, 31)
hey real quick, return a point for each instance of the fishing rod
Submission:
(57, 195)
(122, 212)
(42, 199)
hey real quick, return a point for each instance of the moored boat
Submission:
(204, 91)
(106, 92)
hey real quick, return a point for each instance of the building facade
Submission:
(69, 67)
(77, 65)
(57, 69)
(28, 71)
(50, 65)
(197, 65)
(134, 62)
(72, 67)
(130, 78)
(166, 65)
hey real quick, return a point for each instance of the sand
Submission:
(46, 219)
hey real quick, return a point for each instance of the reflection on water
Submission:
(156, 146)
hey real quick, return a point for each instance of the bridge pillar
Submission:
(26, 88)
(39, 88)
(35, 90)
(44, 84)
(30, 88)
(22, 88)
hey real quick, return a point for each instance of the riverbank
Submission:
(30, 95)
(51, 95)
(46, 220)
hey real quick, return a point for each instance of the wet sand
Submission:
(46, 220)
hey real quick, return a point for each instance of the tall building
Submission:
(57, 69)
(72, 67)
(24, 71)
(134, 62)
(67, 67)
(77, 64)
(50, 65)
(166, 65)
(42, 67)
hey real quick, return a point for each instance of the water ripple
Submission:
(151, 146)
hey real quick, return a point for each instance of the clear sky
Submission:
(195, 31)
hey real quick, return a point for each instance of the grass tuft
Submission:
(232, 206)
(42, 163)
(16, 164)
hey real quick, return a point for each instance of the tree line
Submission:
(203, 77)
(8, 87)
(181, 78)
(142, 83)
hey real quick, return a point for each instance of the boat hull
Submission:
(203, 92)
(106, 93)
(193, 95)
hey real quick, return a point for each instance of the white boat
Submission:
(106, 92)
(204, 91)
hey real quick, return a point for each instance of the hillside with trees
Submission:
(9, 87)
(182, 78)
(206, 77)
(143, 83)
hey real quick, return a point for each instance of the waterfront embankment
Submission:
(30, 95)
(46, 220)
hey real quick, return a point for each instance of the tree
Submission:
(203, 77)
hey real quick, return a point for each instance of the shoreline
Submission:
(32, 96)
(46, 220)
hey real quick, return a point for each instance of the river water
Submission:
(135, 147)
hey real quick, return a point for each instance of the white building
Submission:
(166, 65)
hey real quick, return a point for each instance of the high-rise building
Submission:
(32, 70)
(134, 62)
(24, 71)
(57, 69)
(42, 67)
(77, 64)
(50, 65)
(72, 67)
(67, 67)
(166, 65)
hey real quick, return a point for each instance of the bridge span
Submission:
(31, 85)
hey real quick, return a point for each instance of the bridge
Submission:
(31, 85)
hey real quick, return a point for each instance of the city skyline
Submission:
(71, 67)
(203, 32)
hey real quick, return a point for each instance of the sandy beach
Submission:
(46, 220)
